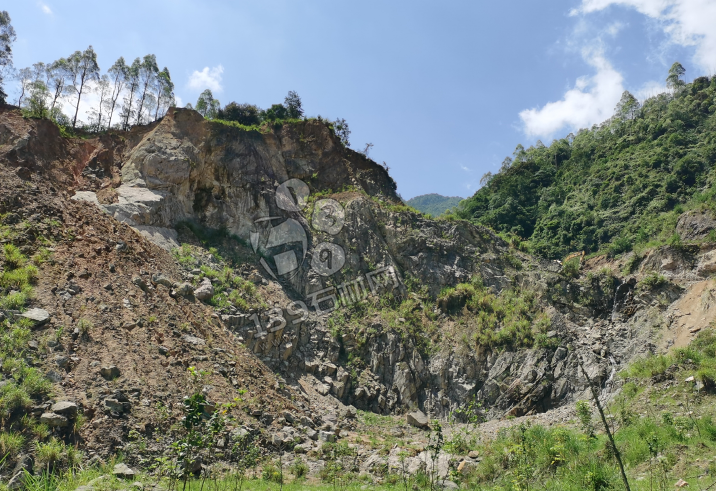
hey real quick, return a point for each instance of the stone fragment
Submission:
(445, 484)
(193, 340)
(205, 290)
(39, 317)
(465, 467)
(160, 279)
(327, 436)
(123, 471)
(65, 408)
(139, 283)
(110, 372)
(53, 420)
(184, 290)
(22, 468)
(417, 419)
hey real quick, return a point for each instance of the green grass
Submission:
(510, 318)
(11, 444)
(699, 358)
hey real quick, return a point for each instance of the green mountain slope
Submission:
(610, 187)
(434, 204)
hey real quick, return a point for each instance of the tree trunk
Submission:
(141, 104)
(129, 109)
(79, 96)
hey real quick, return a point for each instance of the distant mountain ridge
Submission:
(433, 203)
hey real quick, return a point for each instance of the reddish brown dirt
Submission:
(104, 258)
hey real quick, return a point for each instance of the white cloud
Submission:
(686, 22)
(465, 168)
(650, 89)
(208, 78)
(45, 8)
(614, 28)
(592, 100)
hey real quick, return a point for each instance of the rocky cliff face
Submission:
(185, 169)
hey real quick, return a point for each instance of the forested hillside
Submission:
(614, 186)
(433, 203)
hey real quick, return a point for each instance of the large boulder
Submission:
(205, 290)
(417, 419)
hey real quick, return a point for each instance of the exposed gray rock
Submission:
(39, 317)
(161, 279)
(205, 290)
(193, 340)
(123, 471)
(184, 290)
(65, 408)
(54, 420)
(417, 419)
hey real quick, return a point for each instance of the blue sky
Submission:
(444, 90)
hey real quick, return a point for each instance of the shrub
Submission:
(11, 444)
(570, 268)
(649, 366)
(50, 452)
(299, 468)
(13, 257)
(13, 398)
(272, 473)
(19, 278)
(16, 300)
(85, 327)
(651, 281)
(55, 454)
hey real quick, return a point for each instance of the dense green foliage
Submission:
(433, 204)
(612, 186)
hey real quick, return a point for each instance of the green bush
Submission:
(570, 268)
(11, 444)
(652, 281)
(13, 257)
